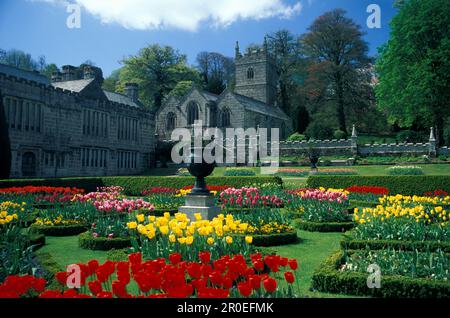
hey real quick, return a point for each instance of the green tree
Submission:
(49, 69)
(216, 71)
(335, 47)
(157, 70)
(414, 66)
(110, 83)
(5, 146)
(284, 46)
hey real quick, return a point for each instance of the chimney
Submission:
(132, 91)
(69, 73)
(88, 72)
(56, 77)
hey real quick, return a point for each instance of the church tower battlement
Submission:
(256, 74)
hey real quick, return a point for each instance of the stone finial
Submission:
(237, 50)
(354, 131)
(432, 137)
(266, 45)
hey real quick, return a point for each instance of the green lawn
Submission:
(310, 251)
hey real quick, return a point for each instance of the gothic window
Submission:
(171, 121)
(250, 73)
(192, 113)
(226, 118)
(213, 116)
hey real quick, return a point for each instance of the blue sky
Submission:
(110, 33)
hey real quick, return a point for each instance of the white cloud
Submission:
(183, 14)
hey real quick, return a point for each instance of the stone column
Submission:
(432, 144)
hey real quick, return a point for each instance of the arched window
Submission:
(250, 73)
(171, 121)
(213, 116)
(226, 118)
(192, 113)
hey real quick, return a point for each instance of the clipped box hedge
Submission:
(58, 230)
(350, 243)
(327, 278)
(323, 226)
(277, 239)
(87, 241)
(135, 184)
(408, 185)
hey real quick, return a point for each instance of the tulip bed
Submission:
(393, 231)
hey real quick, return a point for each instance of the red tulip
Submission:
(61, 277)
(175, 258)
(293, 264)
(95, 287)
(104, 294)
(93, 265)
(135, 258)
(270, 285)
(119, 289)
(205, 257)
(245, 288)
(194, 270)
(289, 277)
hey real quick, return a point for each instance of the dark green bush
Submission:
(352, 244)
(296, 137)
(233, 172)
(274, 239)
(323, 226)
(87, 241)
(411, 136)
(405, 171)
(58, 230)
(118, 255)
(135, 184)
(339, 134)
(408, 185)
(327, 278)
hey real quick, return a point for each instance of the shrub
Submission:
(296, 137)
(410, 136)
(409, 185)
(327, 278)
(275, 239)
(323, 226)
(87, 241)
(339, 134)
(136, 184)
(405, 171)
(233, 172)
(63, 230)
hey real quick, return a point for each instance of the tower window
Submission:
(250, 73)
(171, 121)
(192, 113)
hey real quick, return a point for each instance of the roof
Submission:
(210, 97)
(257, 106)
(73, 86)
(34, 76)
(121, 99)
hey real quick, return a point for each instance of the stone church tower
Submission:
(256, 75)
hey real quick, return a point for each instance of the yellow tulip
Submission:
(172, 238)
(229, 240)
(249, 239)
(210, 240)
(140, 218)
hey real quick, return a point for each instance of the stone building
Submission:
(71, 127)
(251, 104)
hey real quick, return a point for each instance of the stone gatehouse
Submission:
(71, 127)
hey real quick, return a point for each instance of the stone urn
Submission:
(199, 200)
(314, 159)
(200, 170)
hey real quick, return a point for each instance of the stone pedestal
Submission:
(203, 204)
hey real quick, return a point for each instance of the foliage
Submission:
(233, 172)
(414, 67)
(405, 170)
(296, 137)
(216, 71)
(157, 70)
(410, 136)
(136, 184)
(324, 227)
(87, 241)
(327, 278)
(337, 53)
(395, 184)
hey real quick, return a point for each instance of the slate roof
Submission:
(73, 86)
(256, 106)
(122, 99)
(210, 97)
(20, 73)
